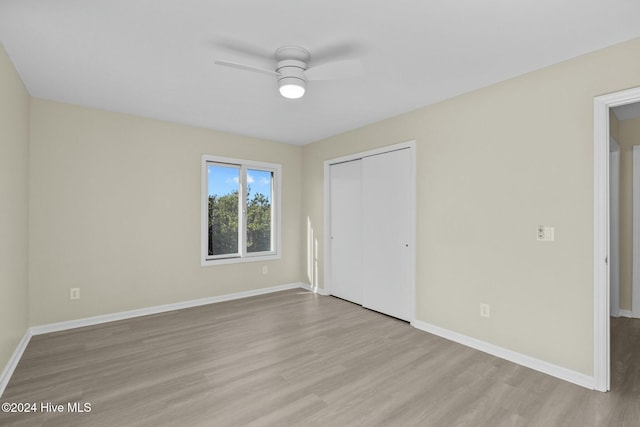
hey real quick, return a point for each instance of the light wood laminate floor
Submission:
(295, 358)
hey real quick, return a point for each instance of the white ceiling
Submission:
(155, 58)
(627, 112)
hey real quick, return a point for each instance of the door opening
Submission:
(602, 233)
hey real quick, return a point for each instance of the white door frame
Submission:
(601, 338)
(327, 210)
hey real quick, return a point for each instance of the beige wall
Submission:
(491, 166)
(115, 211)
(628, 136)
(14, 209)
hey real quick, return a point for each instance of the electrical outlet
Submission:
(485, 310)
(74, 293)
(265, 269)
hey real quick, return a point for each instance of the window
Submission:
(240, 210)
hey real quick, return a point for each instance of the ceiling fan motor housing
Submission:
(291, 69)
(292, 61)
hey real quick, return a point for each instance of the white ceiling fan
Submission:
(293, 71)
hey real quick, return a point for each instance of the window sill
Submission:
(237, 260)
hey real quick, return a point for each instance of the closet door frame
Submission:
(411, 145)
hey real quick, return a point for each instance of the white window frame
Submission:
(242, 255)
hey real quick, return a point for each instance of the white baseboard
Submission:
(626, 313)
(96, 320)
(512, 356)
(13, 361)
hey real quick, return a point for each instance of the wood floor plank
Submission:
(296, 358)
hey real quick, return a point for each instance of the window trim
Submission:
(276, 229)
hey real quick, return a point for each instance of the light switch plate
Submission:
(546, 233)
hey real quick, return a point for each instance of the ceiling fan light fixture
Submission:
(292, 87)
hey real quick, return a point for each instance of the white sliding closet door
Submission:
(346, 230)
(386, 233)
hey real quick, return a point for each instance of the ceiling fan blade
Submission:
(337, 52)
(335, 70)
(247, 68)
(243, 48)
